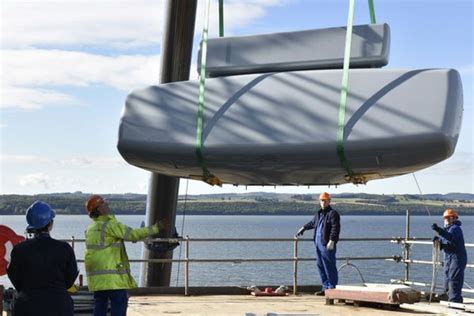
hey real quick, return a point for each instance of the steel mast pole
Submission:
(163, 190)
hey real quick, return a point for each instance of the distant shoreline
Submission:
(259, 203)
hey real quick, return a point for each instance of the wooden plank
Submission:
(362, 296)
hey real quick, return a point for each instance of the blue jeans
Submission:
(118, 302)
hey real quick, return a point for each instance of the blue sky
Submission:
(67, 66)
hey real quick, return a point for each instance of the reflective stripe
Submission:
(115, 244)
(102, 232)
(102, 272)
(127, 233)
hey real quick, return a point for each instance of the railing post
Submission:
(407, 247)
(186, 266)
(295, 266)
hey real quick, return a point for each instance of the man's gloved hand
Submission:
(437, 241)
(330, 245)
(436, 228)
(73, 289)
(300, 231)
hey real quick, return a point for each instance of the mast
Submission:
(163, 190)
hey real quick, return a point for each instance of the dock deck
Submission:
(252, 306)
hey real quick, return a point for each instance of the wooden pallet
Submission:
(387, 296)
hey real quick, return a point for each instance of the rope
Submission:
(221, 18)
(206, 175)
(421, 193)
(182, 227)
(434, 276)
(435, 251)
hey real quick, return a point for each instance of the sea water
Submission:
(244, 274)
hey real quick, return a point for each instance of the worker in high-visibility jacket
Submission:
(106, 260)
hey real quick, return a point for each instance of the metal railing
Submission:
(407, 241)
(296, 259)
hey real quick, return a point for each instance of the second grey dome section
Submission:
(300, 50)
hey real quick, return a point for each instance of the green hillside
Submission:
(254, 203)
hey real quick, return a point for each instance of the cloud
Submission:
(34, 179)
(77, 23)
(30, 71)
(45, 42)
(122, 24)
(67, 163)
(237, 14)
(32, 99)
(37, 67)
(102, 163)
(21, 158)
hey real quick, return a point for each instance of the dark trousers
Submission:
(44, 302)
(454, 277)
(118, 302)
(326, 262)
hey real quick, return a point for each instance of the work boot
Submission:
(320, 293)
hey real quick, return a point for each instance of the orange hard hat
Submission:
(450, 213)
(324, 196)
(93, 202)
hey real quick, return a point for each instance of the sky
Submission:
(67, 67)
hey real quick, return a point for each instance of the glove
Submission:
(73, 289)
(436, 228)
(437, 240)
(330, 245)
(300, 232)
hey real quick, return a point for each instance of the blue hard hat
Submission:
(38, 215)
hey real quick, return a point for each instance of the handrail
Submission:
(420, 241)
(174, 240)
(295, 259)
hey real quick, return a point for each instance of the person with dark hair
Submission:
(451, 240)
(106, 260)
(41, 268)
(327, 226)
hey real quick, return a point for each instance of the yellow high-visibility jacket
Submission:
(106, 259)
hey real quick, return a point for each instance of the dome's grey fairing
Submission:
(300, 50)
(281, 128)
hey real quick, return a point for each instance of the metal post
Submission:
(407, 247)
(72, 243)
(163, 190)
(295, 266)
(186, 266)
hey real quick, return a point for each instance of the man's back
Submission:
(42, 263)
(42, 269)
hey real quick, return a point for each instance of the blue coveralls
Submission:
(455, 260)
(326, 259)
